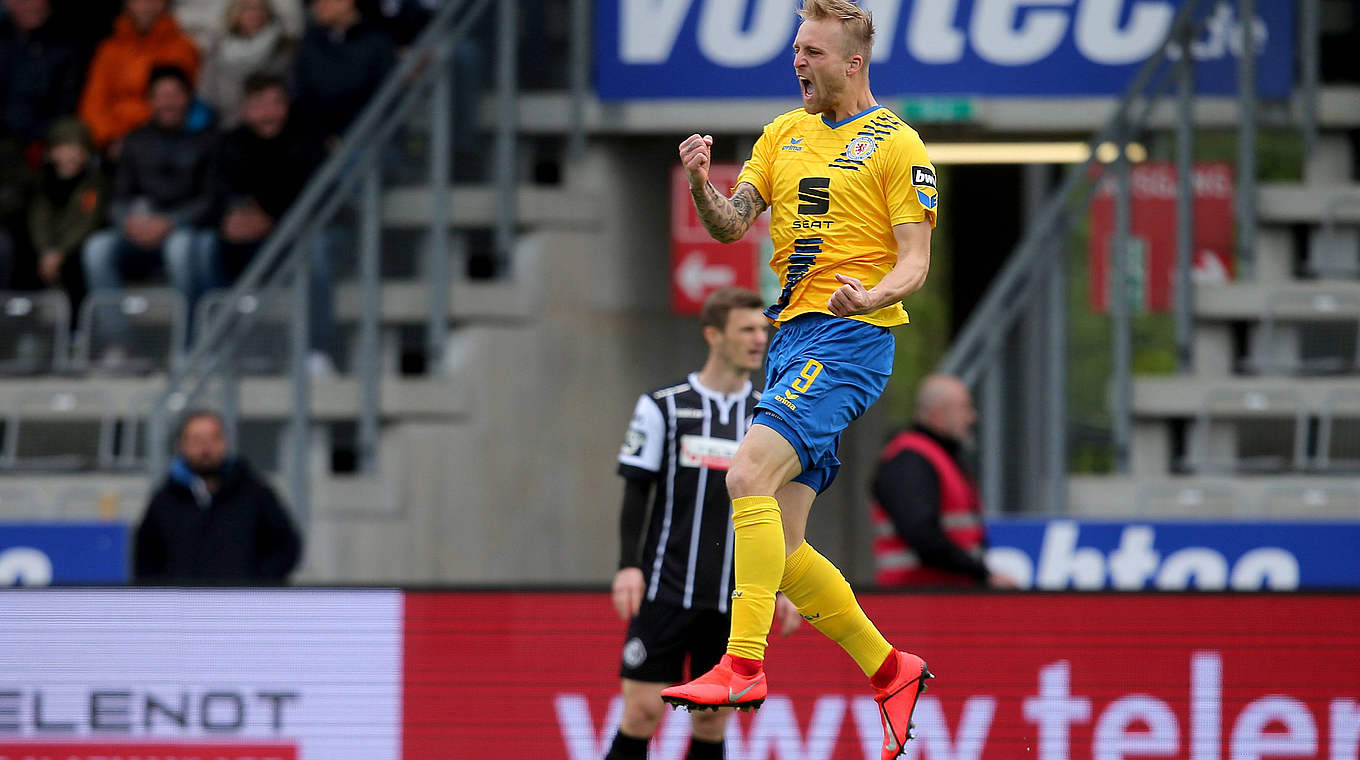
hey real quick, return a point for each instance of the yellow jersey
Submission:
(835, 191)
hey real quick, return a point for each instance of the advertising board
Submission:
(743, 48)
(1044, 676)
(1053, 555)
(41, 554)
(208, 674)
(310, 674)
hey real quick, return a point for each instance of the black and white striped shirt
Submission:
(683, 437)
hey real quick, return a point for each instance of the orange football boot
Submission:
(719, 687)
(897, 702)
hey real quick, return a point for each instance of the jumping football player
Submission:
(853, 199)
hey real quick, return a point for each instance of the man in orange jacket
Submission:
(145, 36)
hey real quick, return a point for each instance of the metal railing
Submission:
(1035, 274)
(281, 270)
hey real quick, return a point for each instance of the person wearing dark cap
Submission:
(67, 206)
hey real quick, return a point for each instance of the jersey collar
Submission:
(847, 120)
(716, 396)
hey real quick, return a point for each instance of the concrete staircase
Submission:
(1239, 436)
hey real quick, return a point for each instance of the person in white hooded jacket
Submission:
(254, 41)
(204, 20)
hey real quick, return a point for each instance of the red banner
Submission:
(114, 750)
(700, 264)
(1153, 225)
(1042, 676)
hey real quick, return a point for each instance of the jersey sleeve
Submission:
(756, 170)
(910, 183)
(640, 455)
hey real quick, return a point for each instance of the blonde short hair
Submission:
(856, 23)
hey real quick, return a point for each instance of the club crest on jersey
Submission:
(860, 148)
(634, 652)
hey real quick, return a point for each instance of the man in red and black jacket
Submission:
(927, 515)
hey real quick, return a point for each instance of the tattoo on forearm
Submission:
(727, 219)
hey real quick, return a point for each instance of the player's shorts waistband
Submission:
(821, 321)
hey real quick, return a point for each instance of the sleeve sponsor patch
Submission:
(922, 176)
(633, 442)
(642, 442)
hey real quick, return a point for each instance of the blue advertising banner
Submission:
(1064, 554)
(743, 48)
(42, 554)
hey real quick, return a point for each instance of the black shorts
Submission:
(661, 636)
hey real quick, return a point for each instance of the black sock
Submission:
(626, 747)
(702, 750)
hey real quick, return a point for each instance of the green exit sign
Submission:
(921, 110)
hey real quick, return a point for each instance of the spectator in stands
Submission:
(67, 206)
(254, 43)
(265, 163)
(145, 37)
(164, 197)
(401, 20)
(926, 512)
(208, 21)
(340, 64)
(86, 23)
(14, 181)
(214, 520)
(40, 71)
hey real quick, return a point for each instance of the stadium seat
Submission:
(1297, 501)
(1335, 253)
(132, 437)
(264, 344)
(1249, 430)
(35, 330)
(130, 332)
(1308, 332)
(1339, 432)
(1189, 500)
(59, 430)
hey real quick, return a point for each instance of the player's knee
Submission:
(737, 481)
(641, 717)
(709, 725)
(745, 480)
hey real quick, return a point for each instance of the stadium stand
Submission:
(401, 449)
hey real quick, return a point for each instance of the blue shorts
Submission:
(821, 373)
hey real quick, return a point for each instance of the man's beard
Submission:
(206, 470)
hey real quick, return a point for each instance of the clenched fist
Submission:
(696, 156)
(850, 299)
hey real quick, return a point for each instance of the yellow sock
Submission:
(759, 562)
(824, 598)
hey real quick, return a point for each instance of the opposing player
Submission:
(675, 569)
(853, 201)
